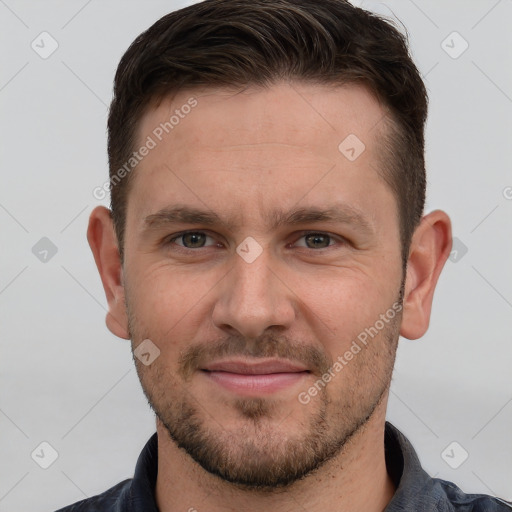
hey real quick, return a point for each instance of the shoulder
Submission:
(417, 490)
(108, 501)
(462, 502)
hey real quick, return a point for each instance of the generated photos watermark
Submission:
(151, 142)
(357, 345)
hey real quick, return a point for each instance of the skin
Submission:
(242, 154)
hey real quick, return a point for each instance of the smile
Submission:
(256, 377)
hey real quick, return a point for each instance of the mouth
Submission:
(255, 377)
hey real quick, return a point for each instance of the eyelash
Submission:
(169, 241)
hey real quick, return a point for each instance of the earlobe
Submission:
(430, 248)
(103, 243)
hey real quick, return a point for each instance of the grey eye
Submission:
(316, 240)
(192, 240)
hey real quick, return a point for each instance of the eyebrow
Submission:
(338, 213)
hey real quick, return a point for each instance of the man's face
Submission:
(235, 294)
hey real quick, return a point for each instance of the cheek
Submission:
(165, 301)
(338, 296)
(343, 306)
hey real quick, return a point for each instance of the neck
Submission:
(354, 480)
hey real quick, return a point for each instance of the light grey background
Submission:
(67, 381)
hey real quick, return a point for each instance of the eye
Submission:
(190, 239)
(198, 240)
(317, 240)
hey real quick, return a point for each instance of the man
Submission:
(265, 248)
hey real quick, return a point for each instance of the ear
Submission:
(430, 247)
(103, 242)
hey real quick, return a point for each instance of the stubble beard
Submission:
(260, 455)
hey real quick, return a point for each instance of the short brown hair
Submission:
(259, 42)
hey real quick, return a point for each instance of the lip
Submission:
(256, 367)
(255, 378)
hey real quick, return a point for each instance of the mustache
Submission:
(197, 356)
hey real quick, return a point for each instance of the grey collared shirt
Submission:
(416, 491)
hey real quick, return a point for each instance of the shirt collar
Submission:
(414, 487)
(142, 490)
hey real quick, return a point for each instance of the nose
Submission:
(254, 297)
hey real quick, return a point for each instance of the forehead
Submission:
(301, 139)
(308, 116)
